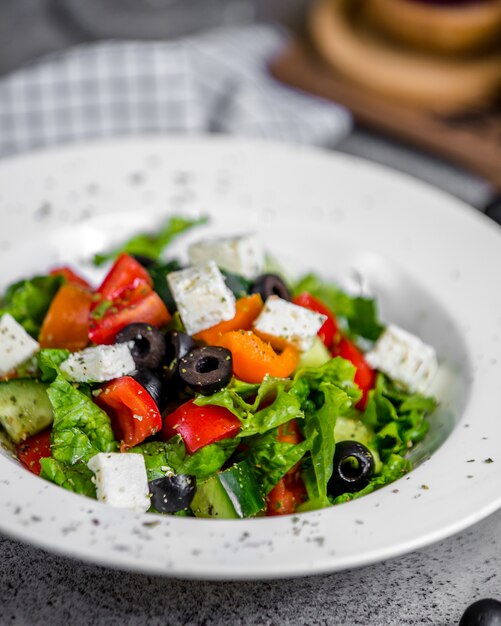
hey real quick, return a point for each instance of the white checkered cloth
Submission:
(215, 82)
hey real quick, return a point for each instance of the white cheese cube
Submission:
(404, 357)
(99, 364)
(202, 297)
(242, 255)
(121, 480)
(289, 322)
(16, 346)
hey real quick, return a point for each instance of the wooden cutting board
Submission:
(470, 137)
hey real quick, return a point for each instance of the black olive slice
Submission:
(178, 344)
(270, 285)
(206, 370)
(172, 493)
(353, 467)
(153, 385)
(148, 350)
(485, 612)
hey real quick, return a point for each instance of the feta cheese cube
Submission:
(242, 255)
(404, 357)
(16, 346)
(288, 322)
(99, 363)
(121, 480)
(202, 297)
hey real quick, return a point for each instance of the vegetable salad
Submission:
(213, 390)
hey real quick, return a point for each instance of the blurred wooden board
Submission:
(471, 138)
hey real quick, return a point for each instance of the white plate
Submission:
(432, 261)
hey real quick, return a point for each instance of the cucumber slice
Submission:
(316, 356)
(25, 409)
(234, 493)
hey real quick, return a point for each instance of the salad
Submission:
(215, 389)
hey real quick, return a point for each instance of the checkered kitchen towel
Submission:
(215, 82)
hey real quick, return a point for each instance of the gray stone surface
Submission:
(431, 586)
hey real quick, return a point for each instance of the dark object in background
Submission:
(493, 209)
(486, 612)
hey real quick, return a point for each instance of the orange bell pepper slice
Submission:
(66, 324)
(247, 309)
(253, 358)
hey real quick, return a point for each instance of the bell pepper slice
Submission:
(200, 426)
(30, 452)
(329, 328)
(133, 412)
(126, 274)
(253, 358)
(66, 324)
(246, 311)
(365, 376)
(142, 304)
(70, 276)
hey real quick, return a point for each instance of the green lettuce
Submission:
(76, 478)
(271, 459)
(49, 360)
(81, 429)
(29, 300)
(255, 420)
(358, 314)
(161, 456)
(397, 416)
(151, 245)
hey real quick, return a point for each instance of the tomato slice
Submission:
(286, 495)
(66, 324)
(365, 376)
(30, 452)
(139, 305)
(200, 425)
(329, 328)
(70, 276)
(125, 275)
(133, 412)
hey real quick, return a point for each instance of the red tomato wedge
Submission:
(365, 376)
(329, 328)
(139, 305)
(200, 425)
(125, 275)
(30, 452)
(133, 412)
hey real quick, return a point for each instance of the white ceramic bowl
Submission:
(432, 261)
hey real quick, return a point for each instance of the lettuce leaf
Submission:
(29, 300)
(255, 420)
(208, 460)
(272, 459)
(357, 313)
(49, 360)
(151, 245)
(398, 417)
(76, 478)
(81, 429)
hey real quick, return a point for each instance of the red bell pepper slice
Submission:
(70, 276)
(133, 412)
(200, 425)
(30, 452)
(329, 328)
(139, 305)
(125, 275)
(365, 376)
